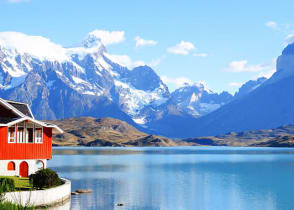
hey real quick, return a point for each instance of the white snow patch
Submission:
(134, 100)
(15, 81)
(140, 120)
(59, 73)
(78, 80)
(89, 93)
(193, 98)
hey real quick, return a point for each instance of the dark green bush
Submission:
(45, 178)
(6, 185)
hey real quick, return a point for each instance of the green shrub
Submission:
(45, 178)
(7, 185)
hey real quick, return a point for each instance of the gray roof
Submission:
(22, 107)
(4, 120)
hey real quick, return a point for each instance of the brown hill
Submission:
(88, 131)
(279, 137)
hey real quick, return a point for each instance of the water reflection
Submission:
(191, 178)
(65, 206)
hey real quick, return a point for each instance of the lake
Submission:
(204, 178)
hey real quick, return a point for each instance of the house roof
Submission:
(22, 107)
(23, 111)
(5, 120)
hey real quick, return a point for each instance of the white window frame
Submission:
(15, 133)
(39, 140)
(23, 139)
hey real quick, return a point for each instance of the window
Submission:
(29, 133)
(21, 133)
(11, 134)
(25, 132)
(38, 135)
(39, 164)
(11, 166)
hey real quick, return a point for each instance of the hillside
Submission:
(89, 131)
(279, 137)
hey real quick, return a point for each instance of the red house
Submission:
(25, 143)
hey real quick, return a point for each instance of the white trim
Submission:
(16, 102)
(12, 108)
(34, 121)
(15, 134)
(30, 111)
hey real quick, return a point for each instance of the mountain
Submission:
(249, 87)
(85, 80)
(198, 100)
(278, 137)
(89, 131)
(64, 82)
(267, 106)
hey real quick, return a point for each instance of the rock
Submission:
(75, 193)
(83, 191)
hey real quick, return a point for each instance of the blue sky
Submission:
(224, 43)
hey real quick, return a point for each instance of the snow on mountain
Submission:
(198, 100)
(86, 68)
(86, 80)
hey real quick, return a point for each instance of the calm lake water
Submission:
(204, 178)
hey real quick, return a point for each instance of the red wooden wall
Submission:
(16, 151)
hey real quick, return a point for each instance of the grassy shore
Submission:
(20, 183)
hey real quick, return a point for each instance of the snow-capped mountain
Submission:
(87, 69)
(198, 100)
(86, 80)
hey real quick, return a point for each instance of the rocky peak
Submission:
(144, 78)
(249, 86)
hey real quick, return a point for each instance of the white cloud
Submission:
(242, 66)
(108, 37)
(142, 42)
(138, 63)
(261, 70)
(178, 81)
(36, 46)
(200, 54)
(271, 24)
(125, 60)
(183, 48)
(235, 84)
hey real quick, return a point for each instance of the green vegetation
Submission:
(45, 178)
(20, 183)
(8, 184)
(11, 206)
